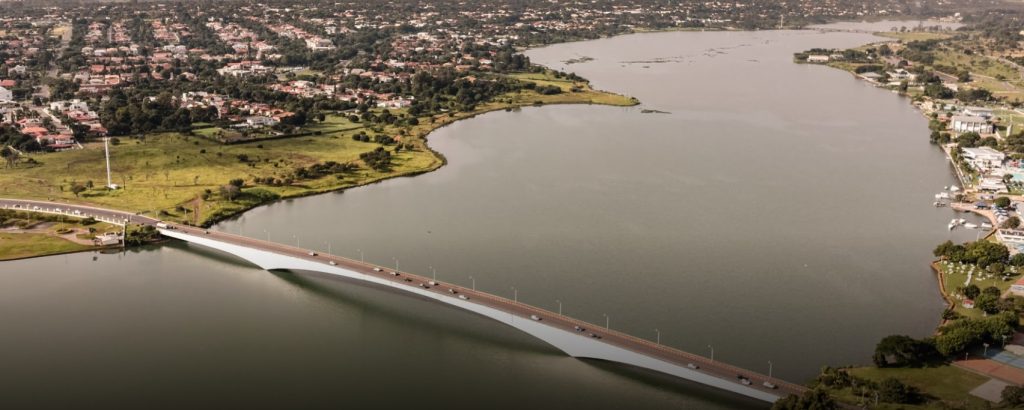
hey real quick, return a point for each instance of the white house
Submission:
(968, 123)
(817, 59)
(260, 121)
(978, 112)
(6, 95)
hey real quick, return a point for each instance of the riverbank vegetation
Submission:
(27, 234)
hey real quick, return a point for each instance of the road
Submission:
(645, 347)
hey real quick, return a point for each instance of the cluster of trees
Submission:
(322, 169)
(9, 136)
(973, 139)
(378, 159)
(888, 390)
(982, 253)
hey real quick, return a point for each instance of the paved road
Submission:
(609, 336)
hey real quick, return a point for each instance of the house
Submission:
(969, 303)
(817, 59)
(260, 121)
(983, 157)
(6, 95)
(978, 112)
(969, 123)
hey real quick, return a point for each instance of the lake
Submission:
(774, 212)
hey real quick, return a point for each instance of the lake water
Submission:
(777, 212)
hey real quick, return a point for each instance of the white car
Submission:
(376, 269)
(692, 366)
(333, 263)
(535, 317)
(463, 297)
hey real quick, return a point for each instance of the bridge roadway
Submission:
(561, 331)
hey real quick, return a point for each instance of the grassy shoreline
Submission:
(175, 176)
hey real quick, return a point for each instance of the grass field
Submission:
(955, 278)
(23, 245)
(166, 174)
(944, 386)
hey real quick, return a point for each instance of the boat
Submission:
(962, 221)
(938, 204)
(970, 226)
(986, 225)
(951, 226)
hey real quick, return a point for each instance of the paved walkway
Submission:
(991, 368)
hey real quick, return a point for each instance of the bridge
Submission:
(574, 337)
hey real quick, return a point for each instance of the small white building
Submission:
(1011, 236)
(969, 123)
(983, 157)
(819, 59)
(6, 95)
(978, 112)
(260, 121)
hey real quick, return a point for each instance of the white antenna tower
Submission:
(106, 150)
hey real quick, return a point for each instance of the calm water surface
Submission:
(777, 212)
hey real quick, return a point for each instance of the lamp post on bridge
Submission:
(658, 332)
(328, 247)
(712, 352)
(769, 370)
(434, 272)
(360, 254)
(607, 321)
(559, 307)
(472, 279)
(396, 263)
(296, 241)
(268, 234)
(515, 294)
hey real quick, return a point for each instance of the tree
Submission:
(894, 391)
(816, 399)
(77, 188)
(1012, 222)
(1002, 202)
(971, 291)
(1013, 396)
(237, 182)
(901, 351)
(230, 192)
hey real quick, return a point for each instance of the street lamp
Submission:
(515, 294)
(434, 272)
(268, 234)
(769, 370)
(658, 332)
(559, 307)
(328, 247)
(296, 241)
(360, 254)
(474, 282)
(607, 321)
(985, 352)
(712, 352)
(396, 263)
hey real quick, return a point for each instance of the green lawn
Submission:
(955, 278)
(23, 245)
(944, 385)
